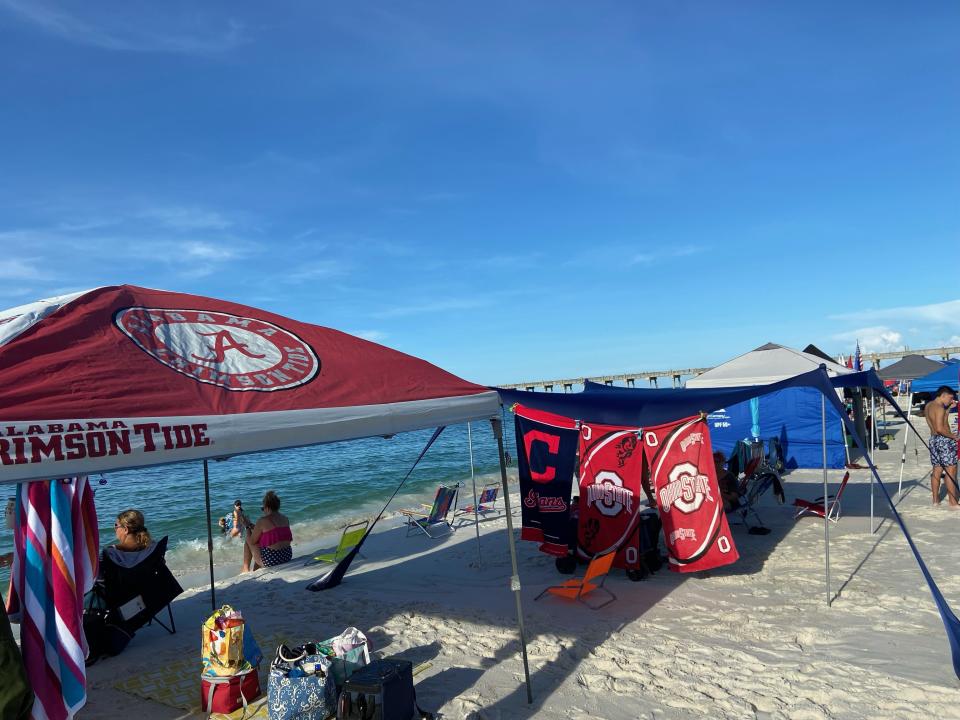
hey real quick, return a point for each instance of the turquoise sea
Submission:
(321, 488)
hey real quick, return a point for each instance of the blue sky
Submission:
(511, 190)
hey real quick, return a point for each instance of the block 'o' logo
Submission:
(684, 488)
(608, 495)
(232, 352)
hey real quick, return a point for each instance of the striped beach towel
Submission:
(56, 545)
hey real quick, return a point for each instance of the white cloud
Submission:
(912, 326)
(878, 338)
(316, 271)
(187, 219)
(651, 258)
(434, 307)
(216, 252)
(131, 27)
(945, 313)
(376, 336)
(19, 268)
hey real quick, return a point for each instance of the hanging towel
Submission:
(56, 549)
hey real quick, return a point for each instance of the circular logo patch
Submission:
(236, 353)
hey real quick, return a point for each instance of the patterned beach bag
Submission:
(230, 658)
(301, 685)
(348, 651)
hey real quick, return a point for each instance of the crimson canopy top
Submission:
(79, 373)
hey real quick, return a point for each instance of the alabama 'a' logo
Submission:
(233, 352)
(686, 489)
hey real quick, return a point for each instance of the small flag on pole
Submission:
(857, 360)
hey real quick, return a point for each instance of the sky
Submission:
(513, 191)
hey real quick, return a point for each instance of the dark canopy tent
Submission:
(910, 367)
(812, 349)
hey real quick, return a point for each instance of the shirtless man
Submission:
(943, 443)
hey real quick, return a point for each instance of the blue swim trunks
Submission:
(943, 451)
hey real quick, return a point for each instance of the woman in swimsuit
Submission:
(268, 543)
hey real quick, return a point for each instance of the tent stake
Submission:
(515, 579)
(826, 499)
(206, 490)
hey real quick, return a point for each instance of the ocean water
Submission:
(321, 488)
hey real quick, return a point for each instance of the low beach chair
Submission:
(817, 508)
(759, 476)
(352, 534)
(141, 592)
(578, 589)
(486, 504)
(436, 519)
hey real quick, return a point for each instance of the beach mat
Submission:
(177, 685)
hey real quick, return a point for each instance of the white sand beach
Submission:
(755, 639)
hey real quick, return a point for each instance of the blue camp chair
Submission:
(436, 519)
(759, 476)
(486, 505)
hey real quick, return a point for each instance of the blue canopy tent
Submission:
(639, 408)
(793, 417)
(947, 375)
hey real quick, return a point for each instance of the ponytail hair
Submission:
(271, 501)
(132, 521)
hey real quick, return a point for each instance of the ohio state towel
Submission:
(688, 497)
(611, 463)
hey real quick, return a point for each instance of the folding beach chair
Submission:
(352, 534)
(759, 476)
(141, 592)
(817, 506)
(427, 523)
(486, 504)
(577, 589)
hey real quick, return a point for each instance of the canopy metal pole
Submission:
(476, 507)
(873, 450)
(515, 578)
(906, 434)
(826, 498)
(206, 490)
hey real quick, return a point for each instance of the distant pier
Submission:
(653, 376)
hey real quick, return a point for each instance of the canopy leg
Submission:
(206, 491)
(826, 500)
(476, 507)
(906, 434)
(873, 450)
(515, 579)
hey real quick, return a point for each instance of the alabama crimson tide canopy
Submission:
(123, 376)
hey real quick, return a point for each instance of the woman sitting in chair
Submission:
(132, 536)
(133, 585)
(268, 543)
(727, 482)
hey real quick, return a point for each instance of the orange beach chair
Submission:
(577, 589)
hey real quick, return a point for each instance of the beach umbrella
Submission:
(122, 377)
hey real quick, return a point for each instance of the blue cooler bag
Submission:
(301, 685)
